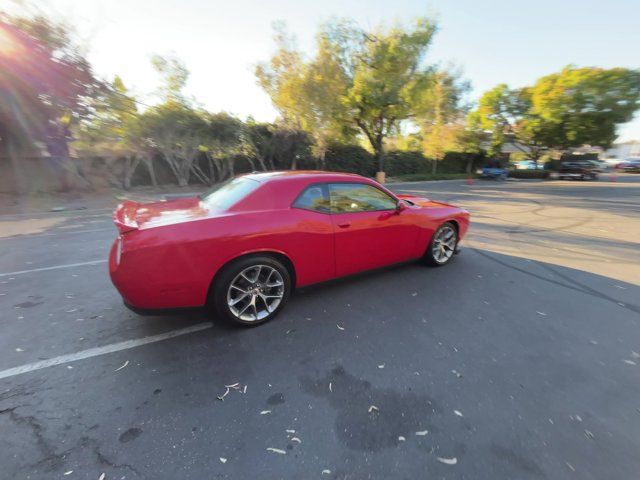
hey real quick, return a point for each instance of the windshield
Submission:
(226, 195)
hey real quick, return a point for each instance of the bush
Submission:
(457, 162)
(539, 174)
(350, 158)
(405, 163)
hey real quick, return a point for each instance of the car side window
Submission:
(359, 197)
(315, 198)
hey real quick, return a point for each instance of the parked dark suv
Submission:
(582, 170)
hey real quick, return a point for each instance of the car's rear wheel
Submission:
(442, 246)
(251, 290)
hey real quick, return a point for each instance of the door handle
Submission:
(344, 225)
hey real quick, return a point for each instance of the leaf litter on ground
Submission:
(123, 366)
(276, 450)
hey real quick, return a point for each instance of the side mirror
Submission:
(400, 206)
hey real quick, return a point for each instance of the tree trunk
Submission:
(323, 162)
(230, 167)
(379, 157)
(130, 164)
(148, 161)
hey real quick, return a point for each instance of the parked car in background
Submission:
(631, 165)
(579, 170)
(599, 166)
(494, 173)
(243, 247)
(529, 165)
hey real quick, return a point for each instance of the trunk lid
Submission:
(130, 215)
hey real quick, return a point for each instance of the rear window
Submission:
(315, 198)
(229, 193)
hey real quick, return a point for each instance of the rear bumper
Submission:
(159, 312)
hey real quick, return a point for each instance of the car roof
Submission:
(318, 175)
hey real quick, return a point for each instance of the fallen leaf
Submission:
(326, 472)
(381, 366)
(458, 413)
(296, 439)
(373, 408)
(123, 365)
(223, 460)
(339, 327)
(68, 473)
(102, 476)
(265, 412)
(456, 373)
(291, 431)
(422, 433)
(401, 438)
(542, 313)
(448, 461)
(276, 450)
(221, 397)
(629, 362)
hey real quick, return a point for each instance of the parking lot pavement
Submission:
(518, 360)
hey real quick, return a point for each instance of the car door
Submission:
(369, 230)
(311, 241)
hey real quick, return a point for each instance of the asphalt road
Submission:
(517, 360)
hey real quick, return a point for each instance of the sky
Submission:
(221, 41)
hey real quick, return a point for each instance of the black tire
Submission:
(430, 257)
(220, 298)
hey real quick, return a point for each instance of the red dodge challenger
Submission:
(243, 247)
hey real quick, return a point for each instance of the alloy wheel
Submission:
(255, 293)
(444, 244)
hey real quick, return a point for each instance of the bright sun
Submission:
(9, 47)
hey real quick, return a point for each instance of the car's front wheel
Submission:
(442, 246)
(251, 290)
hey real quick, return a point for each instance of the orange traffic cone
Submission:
(469, 180)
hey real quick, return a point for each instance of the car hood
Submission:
(422, 201)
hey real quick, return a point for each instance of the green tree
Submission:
(440, 114)
(358, 80)
(179, 133)
(573, 107)
(223, 142)
(112, 132)
(578, 106)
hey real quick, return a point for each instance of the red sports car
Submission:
(243, 247)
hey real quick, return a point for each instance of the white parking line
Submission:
(55, 267)
(54, 234)
(94, 352)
